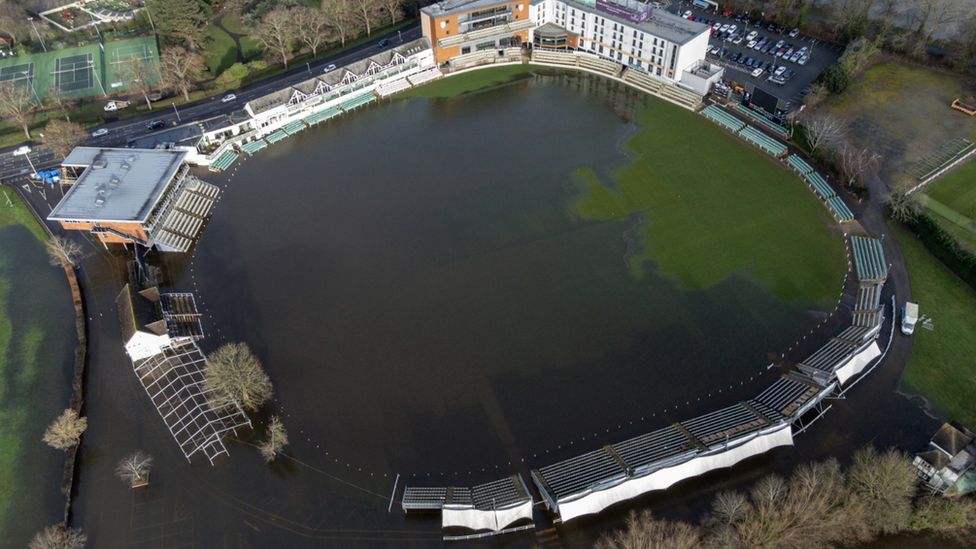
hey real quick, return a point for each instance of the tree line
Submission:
(819, 505)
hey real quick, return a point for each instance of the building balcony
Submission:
(491, 32)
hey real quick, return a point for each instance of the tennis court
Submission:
(82, 71)
(74, 73)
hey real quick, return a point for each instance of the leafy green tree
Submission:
(180, 22)
(835, 79)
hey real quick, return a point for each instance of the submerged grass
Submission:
(715, 207)
(452, 86)
(13, 211)
(941, 366)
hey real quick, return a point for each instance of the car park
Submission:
(99, 132)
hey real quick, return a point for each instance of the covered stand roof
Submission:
(490, 506)
(117, 184)
(340, 76)
(173, 379)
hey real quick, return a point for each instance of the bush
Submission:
(946, 248)
(835, 78)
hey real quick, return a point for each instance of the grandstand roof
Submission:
(281, 97)
(117, 184)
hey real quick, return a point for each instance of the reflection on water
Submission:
(424, 301)
(37, 339)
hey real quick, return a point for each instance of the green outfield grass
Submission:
(712, 206)
(953, 201)
(941, 366)
(13, 211)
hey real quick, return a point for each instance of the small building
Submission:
(460, 27)
(948, 464)
(152, 321)
(134, 196)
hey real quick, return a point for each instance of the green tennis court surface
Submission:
(82, 71)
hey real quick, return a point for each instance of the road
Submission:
(122, 131)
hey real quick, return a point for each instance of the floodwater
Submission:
(37, 364)
(430, 313)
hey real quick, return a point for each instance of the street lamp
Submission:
(178, 119)
(31, 19)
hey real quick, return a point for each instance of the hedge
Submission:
(944, 246)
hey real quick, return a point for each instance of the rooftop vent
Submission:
(126, 166)
(114, 181)
(130, 159)
(99, 163)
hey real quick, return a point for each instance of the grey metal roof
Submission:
(790, 394)
(451, 7)
(581, 473)
(494, 495)
(661, 23)
(332, 78)
(725, 424)
(645, 450)
(118, 185)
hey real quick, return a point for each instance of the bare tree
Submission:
(65, 431)
(179, 67)
(63, 252)
(234, 376)
(59, 101)
(57, 536)
(134, 468)
(393, 8)
(141, 75)
(63, 136)
(823, 130)
(311, 25)
(941, 514)
(931, 15)
(856, 163)
(904, 206)
(277, 32)
(644, 531)
(365, 10)
(17, 103)
(885, 483)
(275, 440)
(340, 16)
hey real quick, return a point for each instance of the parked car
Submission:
(794, 33)
(802, 60)
(21, 150)
(756, 73)
(228, 98)
(780, 70)
(724, 28)
(795, 57)
(329, 68)
(687, 14)
(738, 39)
(113, 106)
(99, 132)
(155, 125)
(752, 35)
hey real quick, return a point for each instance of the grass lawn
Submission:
(15, 212)
(953, 200)
(221, 50)
(902, 112)
(234, 24)
(941, 366)
(712, 206)
(469, 82)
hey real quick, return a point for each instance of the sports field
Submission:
(708, 206)
(952, 200)
(941, 366)
(83, 71)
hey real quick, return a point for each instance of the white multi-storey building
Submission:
(626, 31)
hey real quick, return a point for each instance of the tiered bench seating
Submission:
(321, 116)
(763, 141)
(293, 127)
(276, 136)
(604, 66)
(491, 506)
(358, 101)
(839, 209)
(722, 118)
(799, 164)
(819, 185)
(390, 88)
(254, 146)
(869, 259)
(223, 161)
(763, 121)
(425, 76)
